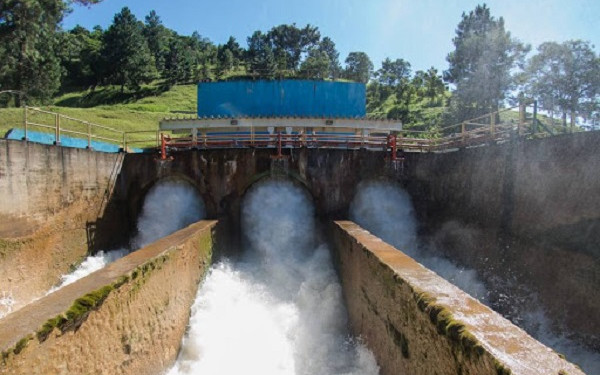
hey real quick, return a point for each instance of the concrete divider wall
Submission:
(128, 318)
(416, 323)
(50, 199)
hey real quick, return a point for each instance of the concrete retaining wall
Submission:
(50, 199)
(524, 213)
(416, 323)
(128, 318)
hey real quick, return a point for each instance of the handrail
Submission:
(59, 126)
(488, 128)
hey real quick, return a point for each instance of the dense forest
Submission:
(488, 68)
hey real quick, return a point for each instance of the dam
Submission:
(344, 256)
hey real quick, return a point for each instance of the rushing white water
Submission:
(386, 211)
(6, 303)
(279, 310)
(169, 206)
(90, 264)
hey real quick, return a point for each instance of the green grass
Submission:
(108, 107)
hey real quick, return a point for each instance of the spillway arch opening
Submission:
(296, 196)
(177, 201)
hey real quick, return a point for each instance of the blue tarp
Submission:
(284, 98)
(65, 141)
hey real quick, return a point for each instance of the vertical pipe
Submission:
(463, 129)
(493, 124)
(89, 135)
(163, 147)
(57, 129)
(25, 121)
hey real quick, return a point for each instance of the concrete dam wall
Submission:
(50, 198)
(525, 215)
(407, 321)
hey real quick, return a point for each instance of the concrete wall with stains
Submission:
(525, 215)
(417, 323)
(50, 199)
(127, 318)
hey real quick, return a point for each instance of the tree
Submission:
(393, 73)
(260, 55)
(292, 42)
(225, 61)
(127, 54)
(29, 46)
(236, 50)
(565, 77)
(179, 62)
(204, 54)
(433, 85)
(80, 57)
(358, 67)
(157, 37)
(481, 64)
(327, 46)
(316, 65)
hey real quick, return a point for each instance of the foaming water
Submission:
(90, 264)
(279, 310)
(386, 211)
(6, 303)
(169, 206)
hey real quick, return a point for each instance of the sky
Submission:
(419, 31)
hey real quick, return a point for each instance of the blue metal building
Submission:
(282, 98)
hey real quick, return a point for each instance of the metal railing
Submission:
(61, 124)
(494, 127)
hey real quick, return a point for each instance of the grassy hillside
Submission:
(109, 107)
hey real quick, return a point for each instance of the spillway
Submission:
(307, 293)
(278, 309)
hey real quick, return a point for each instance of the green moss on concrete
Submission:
(446, 324)
(8, 246)
(21, 344)
(424, 300)
(500, 369)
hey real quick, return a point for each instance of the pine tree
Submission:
(157, 37)
(481, 64)
(127, 54)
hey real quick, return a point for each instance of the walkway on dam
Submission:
(282, 133)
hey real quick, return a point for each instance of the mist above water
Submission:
(278, 310)
(169, 206)
(386, 211)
